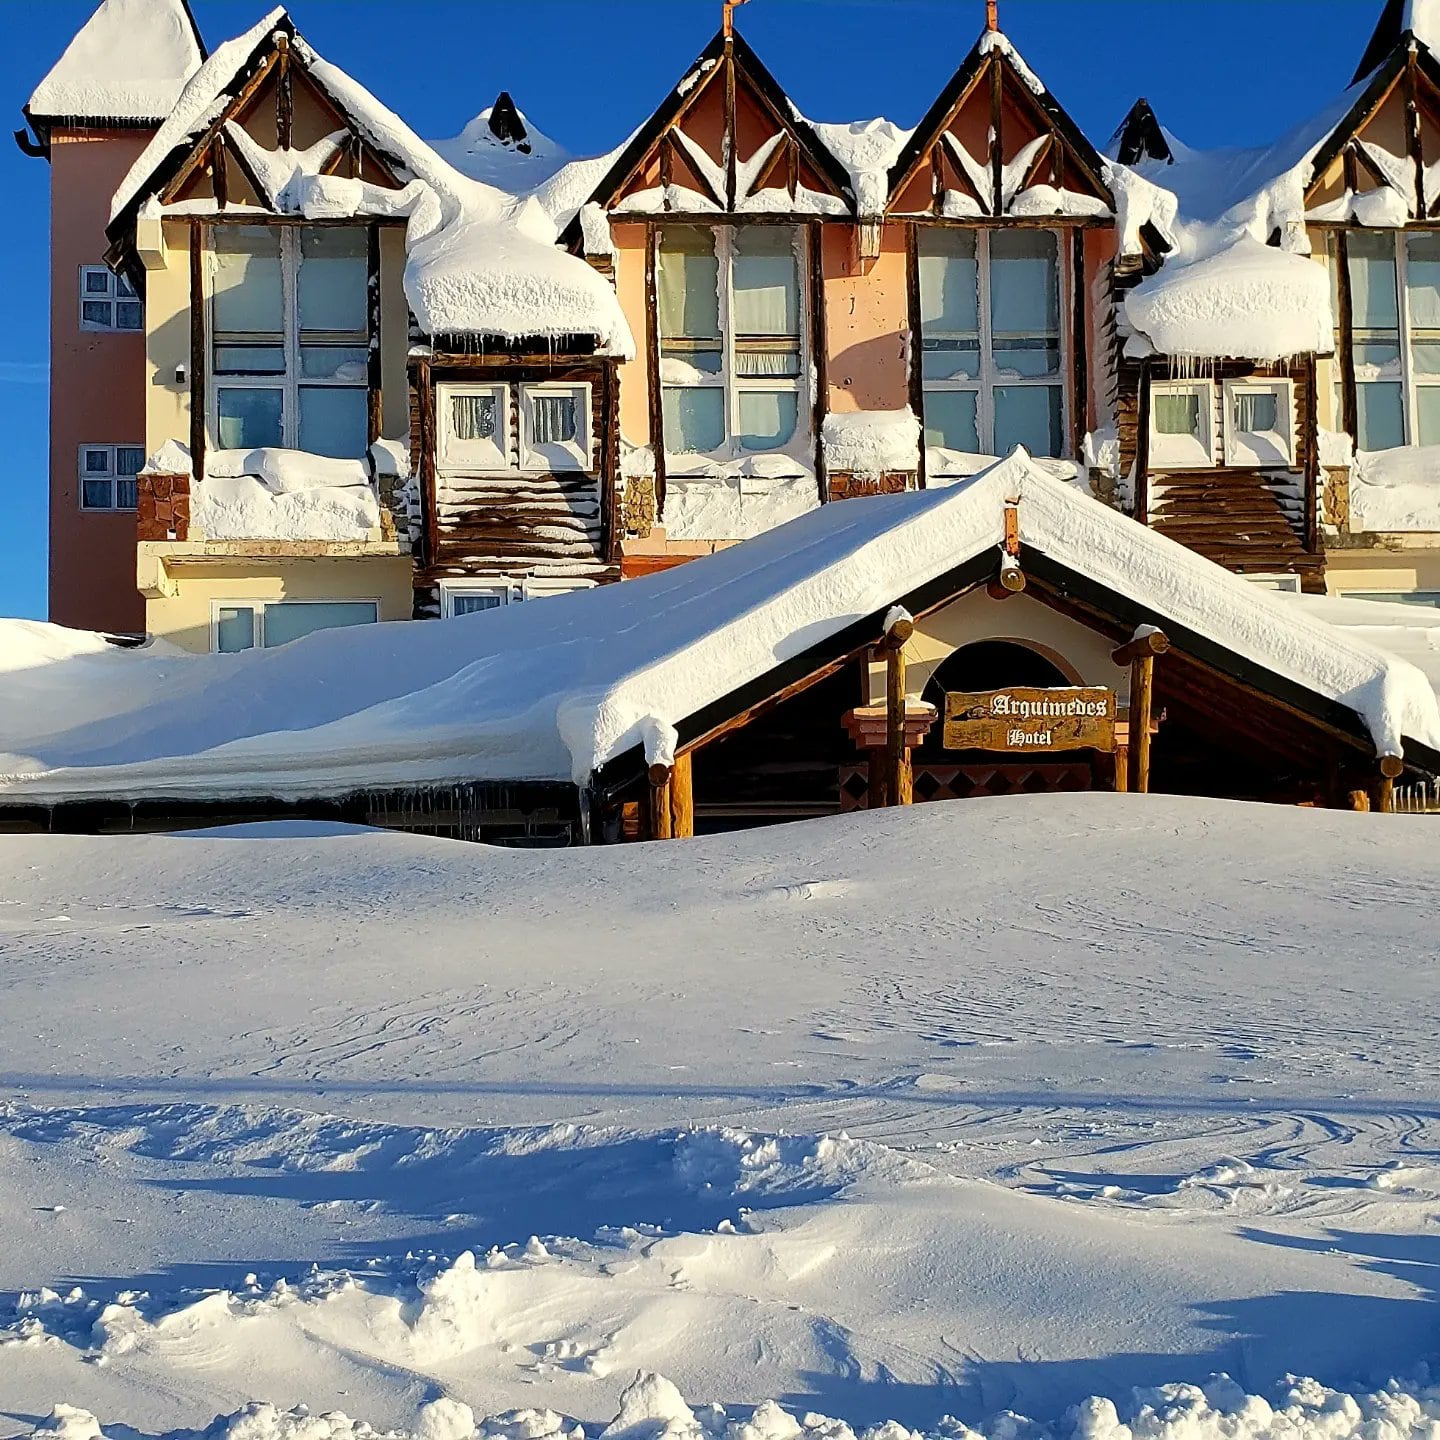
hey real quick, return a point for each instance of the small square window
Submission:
(97, 282)
(555, 427)
(108, 476)
(129, 459)
(98, 314)
(1182, 425)
(1260, 423)
(97, 460)
(470, 599)
(128, 315)
(474, 427)
(124, 288)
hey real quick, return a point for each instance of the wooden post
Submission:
(682, 797)
(1392, 767)
(661, 825)
(1122, 769)
(899, 777)
(878, 794)
(1140, 655)
(1360, 800)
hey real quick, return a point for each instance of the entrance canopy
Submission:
(592, 687)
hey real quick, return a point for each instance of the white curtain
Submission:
(766, 282)
(1177, 414)
(553, 420)
(688, 284)
(1257, 414)
(472, 417)
(249, 297)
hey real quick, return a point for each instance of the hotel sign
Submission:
(1030, 721)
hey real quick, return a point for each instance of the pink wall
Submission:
(867, 322)
(97, 390)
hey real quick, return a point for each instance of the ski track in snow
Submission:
(1127, 1094)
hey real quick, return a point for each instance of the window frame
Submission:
(1205, 389)
(1395, 597)
(291, 382)
(450, 589)
(112, 476)
(1282, 582)
(580, 451)
(989, 379)
(1407, 380)
(511, 592)
(731, 384)
(446, 390)
(111, 297)
(1284, 390)
(258, 608)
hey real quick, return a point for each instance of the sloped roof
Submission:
(128, 63)
(558, 691)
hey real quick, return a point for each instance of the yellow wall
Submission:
(629, 241)
(167, 337)
(1398, 571)
(1078, 651)
(185, 620)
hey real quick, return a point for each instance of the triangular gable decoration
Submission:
(997, 144)
(728, 141)
(1380, 165)
(1141, 138)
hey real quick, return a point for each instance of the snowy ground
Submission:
(973, 1108)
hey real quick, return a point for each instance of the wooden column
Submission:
(1140, 655)
(1392, 767)
(1122, 769)
(661, 822)
(682, 797)
(374, 371)
(877, 796)
(1141, 502)
(899, 776)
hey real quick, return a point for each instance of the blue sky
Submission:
(588, 71)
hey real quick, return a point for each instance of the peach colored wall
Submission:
(97, 390)
(1101, 247)
(867, 320)
(629, 241)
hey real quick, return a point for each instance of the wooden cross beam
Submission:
(729, 8)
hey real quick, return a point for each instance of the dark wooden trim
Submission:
(375, 370)
(997, 136)
(819, 344)
(1080, 366)
(221, 172)
(199, 347)
(284, 97)
(652, 365)
(1349, 389)
(611, 528)
(1142, 448)
(429, 449)
(1412, 136)
(1312, 455)
(1361, 113)
(731, 159)
(917, 356)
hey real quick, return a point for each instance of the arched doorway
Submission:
(942, 774)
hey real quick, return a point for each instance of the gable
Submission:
(281, 108)
(997, 144)
(726, 141)
(1381, 164)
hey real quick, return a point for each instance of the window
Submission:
(474, 427)
(254, 625)
(108, 301)
(1182, 425)
(731, 338)
(477, 432)
(290, 341)
(1260, 423)
(1395, 339)
(1288, 584)
(467, 597)
(993, 350)
(555, 427)
(1430, 598)
(107, 476)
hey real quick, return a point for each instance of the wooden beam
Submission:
(662, 825)
(682, 797)
(997, 136)
(374, 370)
(916, 353)
(818, 344)
(731, 159)
(429, 445)
(652, 367)
(1349, 388)
(284, 96)
(1412, 135)
(199, 351)
(221, 173)
(1142, 449)
(1312, 456)
(1080, 374)
(1152, 643)
(1142, 692)
(899, 776)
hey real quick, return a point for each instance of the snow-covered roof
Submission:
(554, 691)
(128, 62)
(479, 262)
